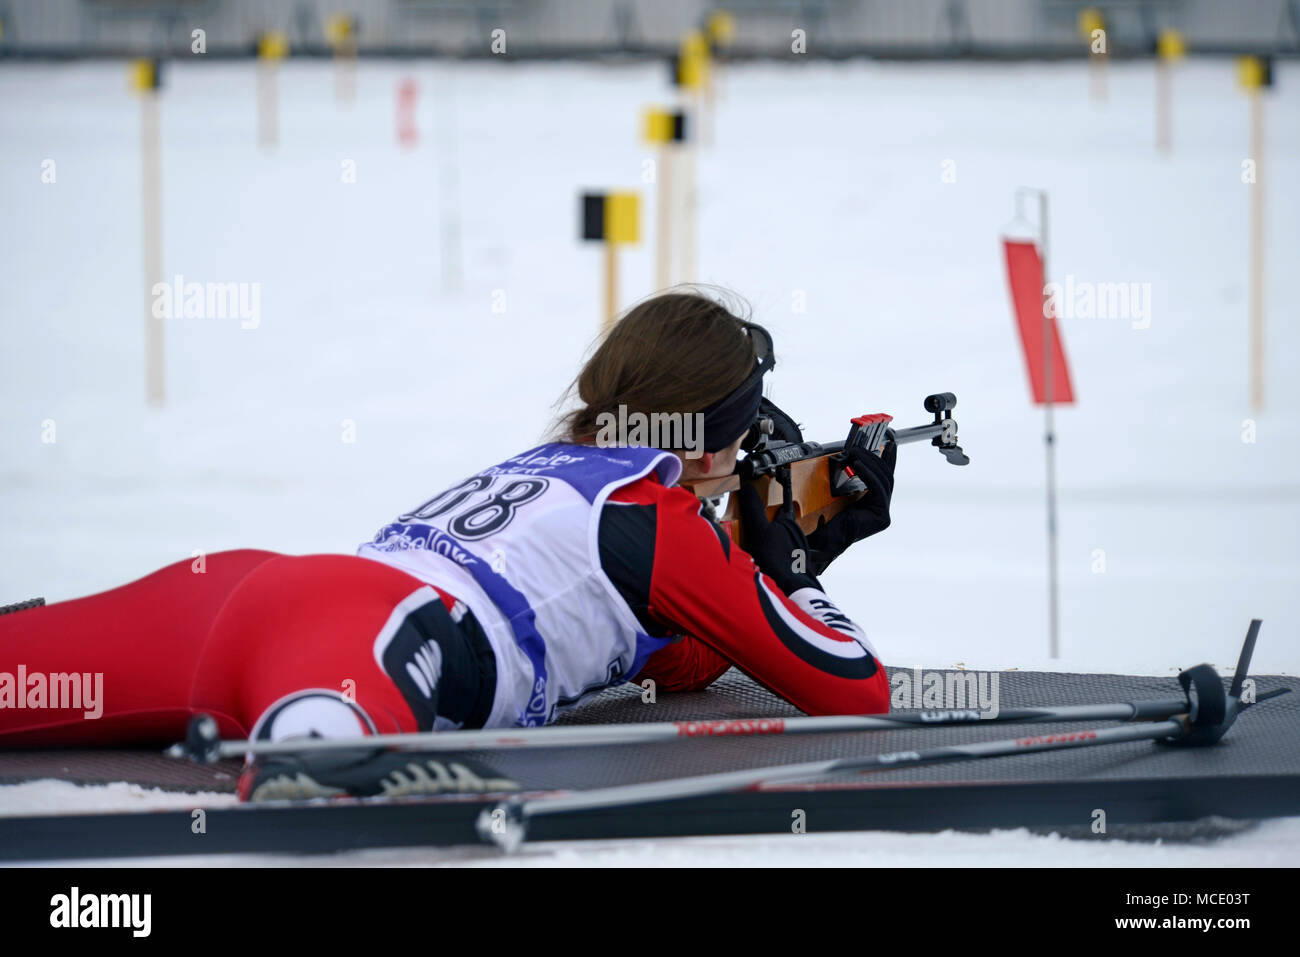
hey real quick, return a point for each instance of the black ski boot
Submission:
(366, 772)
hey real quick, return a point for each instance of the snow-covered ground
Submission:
(824, 184)
(1271, 843)
(43, 796)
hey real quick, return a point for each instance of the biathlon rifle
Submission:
(814, 476)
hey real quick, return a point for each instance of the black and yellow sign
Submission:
(273, 45)
(664, 126)
(1255, 72)
(611, 217)
(720, 28)
(1171, 45)
(690, 68)
(144, 74)
(1090, 21)
(341, 29)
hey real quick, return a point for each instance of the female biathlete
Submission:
(502, 601)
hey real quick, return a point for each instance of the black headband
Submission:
(731, 416)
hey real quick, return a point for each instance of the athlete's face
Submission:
(710, 464)
(725, 461)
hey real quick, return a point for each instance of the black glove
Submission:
(865, 517)
(778, 547)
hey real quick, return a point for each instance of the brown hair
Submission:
(674, 352)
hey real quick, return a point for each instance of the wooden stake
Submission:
(611, 284)
(664, 219)
(1098, 76)
(151, 208)
(704, 101)
(268, 103)
(688, 191)
(1164, 121)
(1257, 252)
(1171, 46)
(341, 31)
(445, 149)
(345, 71)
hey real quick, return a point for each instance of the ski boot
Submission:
(366, 772)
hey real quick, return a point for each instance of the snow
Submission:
(44, 795)
(1273, 844)
(824, 181)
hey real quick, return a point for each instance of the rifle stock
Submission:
(810, 485)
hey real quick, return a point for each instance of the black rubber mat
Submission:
(1264, 741)
(148, 768)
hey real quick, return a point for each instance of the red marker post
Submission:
(1049, 374)
(408, 95)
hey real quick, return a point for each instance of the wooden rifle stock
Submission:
(810, 487)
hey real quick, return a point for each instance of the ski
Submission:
(330, 827)
(1207, 712)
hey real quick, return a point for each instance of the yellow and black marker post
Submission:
(1092, 30)
(1255, 74)
(719, 31)
(1171, 47)
(613, 219)
(693, 61)
(690, 73)
(272, 47)
(341, 31)
(144, 77)
(666, 131)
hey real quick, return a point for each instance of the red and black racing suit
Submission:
(252, 628)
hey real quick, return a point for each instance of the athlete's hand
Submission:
(778, 547)
(865, 517)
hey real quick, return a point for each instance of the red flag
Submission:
(1025, 276)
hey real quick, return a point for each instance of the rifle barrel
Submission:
(920, 433)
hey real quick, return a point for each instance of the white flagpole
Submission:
(1049, 439)
(1049, 423)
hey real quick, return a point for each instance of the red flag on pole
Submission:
(1025, 276)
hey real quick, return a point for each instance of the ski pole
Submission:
(1207, 714)
(202, 743)
(505, 824)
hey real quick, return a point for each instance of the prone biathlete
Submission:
(503, 601)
